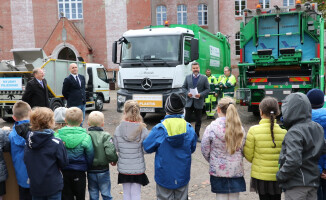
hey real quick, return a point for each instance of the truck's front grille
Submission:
(156, 84)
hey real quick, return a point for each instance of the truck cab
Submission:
(153, 64)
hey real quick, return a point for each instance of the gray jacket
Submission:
(203, 90)
(128, 143)
(302, 144)
(4, 147)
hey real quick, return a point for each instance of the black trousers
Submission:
(24, 194)
(74, 185)
(198, 113)
(270, 197)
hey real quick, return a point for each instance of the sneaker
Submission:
(198, 140)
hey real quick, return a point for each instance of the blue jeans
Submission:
(83, 108)
(99, 182)
(56, 196)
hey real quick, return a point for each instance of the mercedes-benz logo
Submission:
(146, 83)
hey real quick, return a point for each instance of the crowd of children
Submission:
(53, 156)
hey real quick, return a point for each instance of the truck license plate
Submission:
(149, 100)
(142, 109)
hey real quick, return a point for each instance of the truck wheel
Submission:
(55, 105)
(99, 103)
(8, 119)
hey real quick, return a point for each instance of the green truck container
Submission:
(282, 52)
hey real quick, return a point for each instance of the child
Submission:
(59, 118)
(104, 152)
(302, 146)
(21, 112)
(222, 146)
(128, 138)
(262, 149)
(316, 98)
(44, 156)
(80, 153)
(173, 140)
(4, 147)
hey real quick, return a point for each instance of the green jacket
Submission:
(79, 147)
(104, 150)
(259, 150)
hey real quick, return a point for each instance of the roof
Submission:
(157, 31)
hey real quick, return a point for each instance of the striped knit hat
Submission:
(174, 104)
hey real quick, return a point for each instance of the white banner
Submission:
(11, 83)
(214, 51)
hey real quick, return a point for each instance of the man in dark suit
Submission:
(195, 103)
(36, 91)
(74, 89)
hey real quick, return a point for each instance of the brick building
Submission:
(87, 29)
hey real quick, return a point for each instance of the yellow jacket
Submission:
(259, 150)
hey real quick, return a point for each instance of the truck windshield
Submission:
(161, 48)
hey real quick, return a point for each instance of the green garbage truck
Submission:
(282, 52)
(154, 62)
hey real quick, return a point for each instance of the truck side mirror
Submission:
(114, 52)
(194, 55)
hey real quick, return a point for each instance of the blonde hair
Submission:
(21, 110)
(96, 118)
(132, 113)
(233, 130)
(74, 116)
(42, 118)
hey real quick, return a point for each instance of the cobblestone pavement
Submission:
(199, 186)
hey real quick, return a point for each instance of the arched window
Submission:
(237, 43)
(202, 14)
(67, 54)
(182, 14)
(160, 15)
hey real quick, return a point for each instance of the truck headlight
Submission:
(121, 99)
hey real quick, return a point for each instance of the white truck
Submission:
(155, 61)
(15, 74)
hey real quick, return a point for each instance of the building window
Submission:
(182, 14)
(288, 2)
(240, 5)
(237, 44)
(160, 15)
(202, 14)
(264, 3)
(72, 9)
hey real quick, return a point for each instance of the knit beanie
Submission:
(174, 104)
(59, 115)
(316, 98)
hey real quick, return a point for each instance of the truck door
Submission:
(101, 82)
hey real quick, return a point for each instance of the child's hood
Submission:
(296, 108)
(130, 131)
(72, 136)
(22, 129)
(37, 139)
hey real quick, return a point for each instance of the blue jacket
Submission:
(44, 157)
(319, 116)
(173, 140)
(17, 144)
(79, 147)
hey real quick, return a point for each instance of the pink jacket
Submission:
(213, 148)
